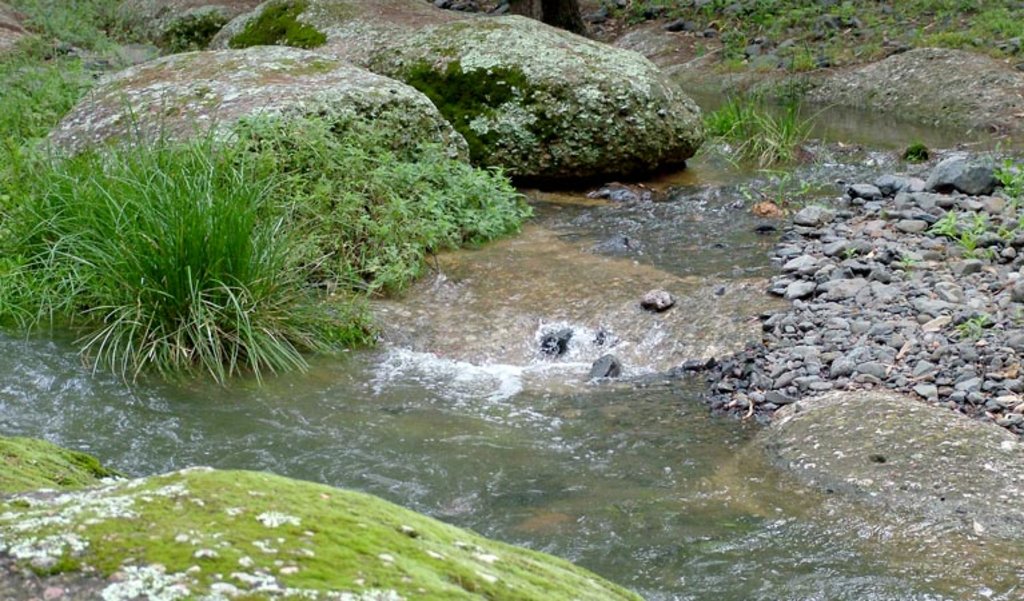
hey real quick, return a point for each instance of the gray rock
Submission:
(843, 366)
(800, 289)
(813, 216)
(927, 391)
(607, 366)
(958, 174)
(967, 267)
(804, 265)
(911, 226)
(843, 289)
(1017, 292)
(657, 301)
(873, 368)
(905, 456)
(865, 191)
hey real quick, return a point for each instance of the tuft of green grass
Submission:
(168, 256)
(89, 24)
(759, 134)
(30, 464)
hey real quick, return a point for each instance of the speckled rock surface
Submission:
(205, 534)
(906, 456)
(188, 94)
(11, 28)
(181, 24)
(533, 99)
(933, 85)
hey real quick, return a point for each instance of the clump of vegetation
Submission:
(916, 153)
(278, 24)
(217, 258)
(759, 133)
(974, 327)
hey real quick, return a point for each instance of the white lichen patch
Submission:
(274, 519)
(147, 582)
(47, 547)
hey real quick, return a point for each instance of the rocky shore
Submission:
(908, 284)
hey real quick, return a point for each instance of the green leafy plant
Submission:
(916, 153)
(974, 328)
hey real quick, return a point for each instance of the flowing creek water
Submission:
(458, 416)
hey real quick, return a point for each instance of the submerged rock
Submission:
(180, 25)
(555, 344)
(187, 95)
(535, 100)
(201, 533)
(11, 28)
(889, 450)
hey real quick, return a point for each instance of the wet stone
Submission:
(555, 344)
(607, 366)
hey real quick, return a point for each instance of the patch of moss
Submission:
(463, 96)
(29, 464)
(193, 32)
(278, 25)
(260, 533)
(916, 153)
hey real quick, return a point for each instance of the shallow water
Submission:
(458, 416)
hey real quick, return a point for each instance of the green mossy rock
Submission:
(181, 25)
(205, 534)
(29, 464)
(190, 94)
(538, 101)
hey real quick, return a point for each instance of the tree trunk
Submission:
(560, 13)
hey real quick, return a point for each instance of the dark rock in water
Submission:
(607, 366)
(555, 344)
(621, 193)
(765, 228)
(692, 365)
(657, 301)
(962, 175)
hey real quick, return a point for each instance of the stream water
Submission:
(458, 416)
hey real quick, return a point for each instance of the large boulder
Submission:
(905, 456)
(11, 28)
(535, 100)
(209, 534)
(186, 95)
(181, 25)
(932, 85)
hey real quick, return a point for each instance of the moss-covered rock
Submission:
(181, 25)
(210, 534)
(535, 100)
(11, 28)
(29, 464)
(191, 94)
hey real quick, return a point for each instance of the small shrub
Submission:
(916, 153)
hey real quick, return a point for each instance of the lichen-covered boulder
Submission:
(919, 460)
(205, 534)
(181, 25)
(11, 28)
(29, 464)
(535, 100)
(189, 94)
